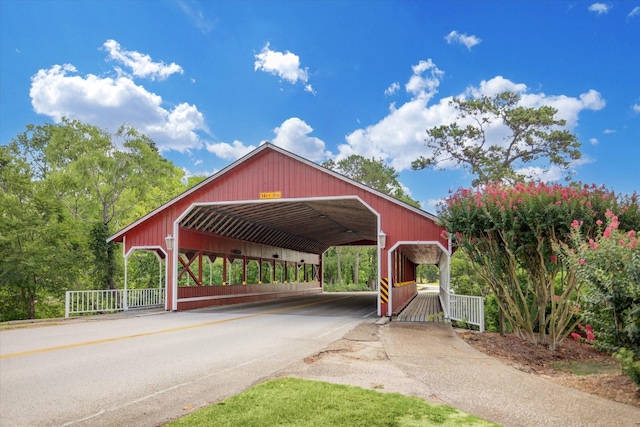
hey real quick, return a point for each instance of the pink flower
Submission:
(631, 234)
(581, 261)
(575, 223)
(607, 232)
(590, 336)
(575, 336)
(593, 245)
(599, 222)
(589, 328)
(608, 213)
(553, 258)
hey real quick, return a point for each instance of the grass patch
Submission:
(587, 368)
(296, 402)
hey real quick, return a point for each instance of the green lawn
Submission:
(588, 368)
(295, 402)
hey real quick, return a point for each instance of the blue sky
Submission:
(211, 80)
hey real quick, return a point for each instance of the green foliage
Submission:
(464, 279)
(492, 314)
(349, 287)
(533, 134)
(509, 233)
(373, 173)
(103, 256)
(38, 245)
(609, 267)
(630, 364)
(63, 189)
(339, 266)
(296, 402)
(428, 274)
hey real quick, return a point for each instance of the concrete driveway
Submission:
(430, 361)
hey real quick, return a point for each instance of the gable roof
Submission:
(246, 158)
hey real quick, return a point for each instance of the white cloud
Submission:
(609, 131)
(293, 135)
(552, 173)
(395, 86)
(227, 151)
(594, 141)
(468, 41)
(196, 15)
(636, 108)
(634, 12)
(432, 205)
(568, 107)
(399, 137)
(495, 86)
(141, 64)
(310, 89)
(109, 102)
(186, 174)
(421, 85)
(599, 8)
(284, 65)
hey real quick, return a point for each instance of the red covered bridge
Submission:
(278, 213)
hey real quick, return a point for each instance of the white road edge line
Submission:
(338, 328)
(159, 392)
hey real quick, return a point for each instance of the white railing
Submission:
(145, 297)
(99, 301)
(467, 309)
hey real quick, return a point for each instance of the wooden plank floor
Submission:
(424, 308)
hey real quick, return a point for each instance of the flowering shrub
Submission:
(609, 267)
(586, 330)
(511, 235)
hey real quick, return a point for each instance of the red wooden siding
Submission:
(269, 169)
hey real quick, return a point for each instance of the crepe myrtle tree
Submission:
(534, 135)
(511, 234)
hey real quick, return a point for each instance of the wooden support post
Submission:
(224, 270)
(244, 270)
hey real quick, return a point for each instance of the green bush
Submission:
(630, 365)
(609, 267)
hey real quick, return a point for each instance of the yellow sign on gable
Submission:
(271, 195)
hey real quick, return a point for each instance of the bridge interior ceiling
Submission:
(421, 253)
(305, 226)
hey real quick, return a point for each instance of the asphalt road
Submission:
(146, 369)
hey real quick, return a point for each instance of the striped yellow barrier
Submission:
(384, 290)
